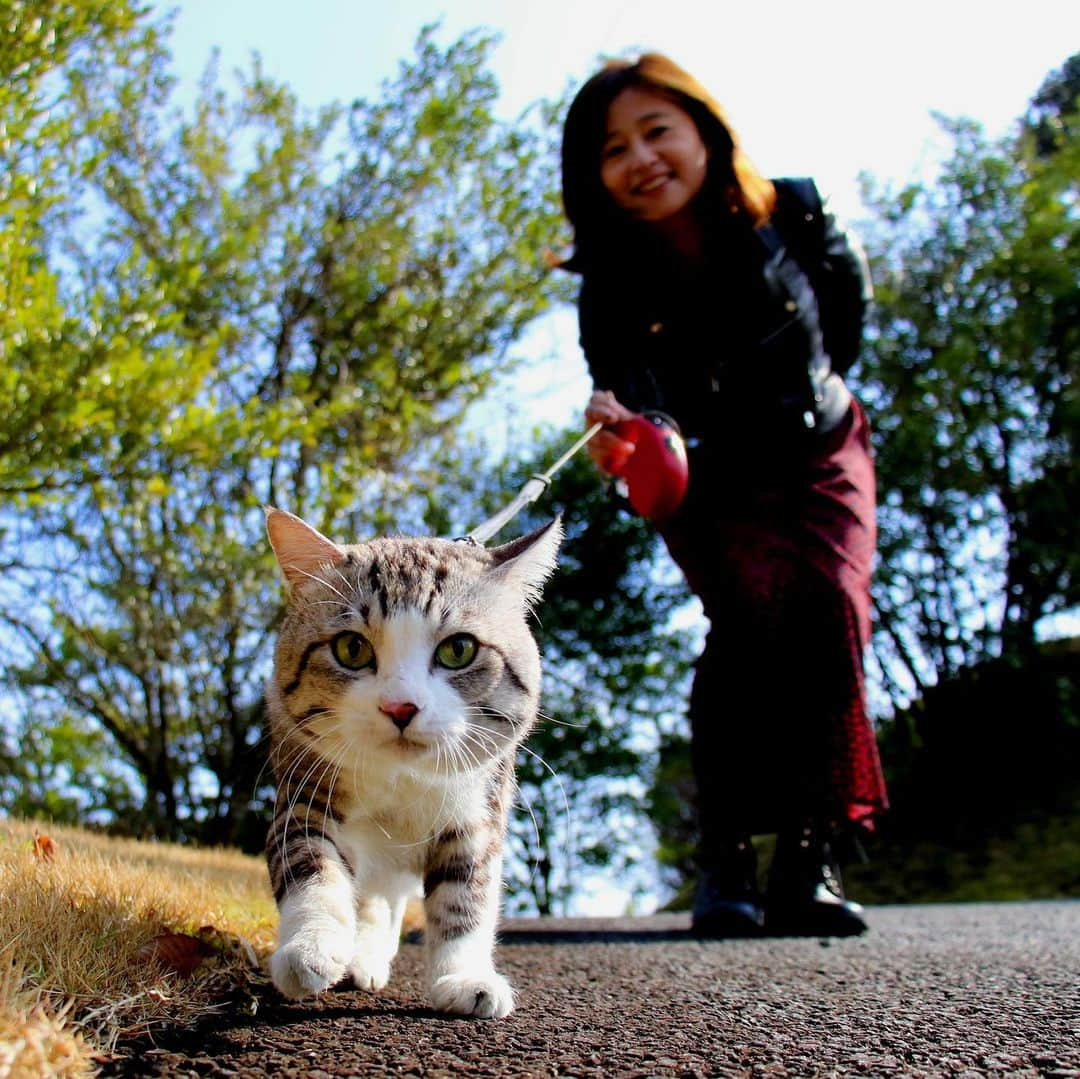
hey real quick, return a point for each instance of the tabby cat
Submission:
(405, 677)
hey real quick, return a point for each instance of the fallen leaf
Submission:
(176, 952)
(44, 847)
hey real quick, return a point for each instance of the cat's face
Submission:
(409, 654)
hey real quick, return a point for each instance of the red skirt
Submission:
(781, 558)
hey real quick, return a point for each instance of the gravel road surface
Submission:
(952, 990)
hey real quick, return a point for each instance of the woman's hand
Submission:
(608, 451)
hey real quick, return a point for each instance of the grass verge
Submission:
(103, 939)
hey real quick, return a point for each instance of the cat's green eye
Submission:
(457, 651)
(353, 651)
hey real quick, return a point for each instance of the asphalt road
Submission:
(953, 990)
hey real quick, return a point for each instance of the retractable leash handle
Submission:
(657, 473)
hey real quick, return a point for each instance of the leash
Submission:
(533, 489)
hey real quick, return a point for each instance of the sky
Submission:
(828, 88)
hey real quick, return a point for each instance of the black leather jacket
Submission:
(761, 336)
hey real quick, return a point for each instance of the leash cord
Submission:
(533, 489)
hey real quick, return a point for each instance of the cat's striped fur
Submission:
(405, 677)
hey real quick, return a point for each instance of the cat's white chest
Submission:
(393, 826)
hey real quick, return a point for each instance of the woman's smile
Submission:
(653, 183)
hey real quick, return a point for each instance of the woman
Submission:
(734, 304)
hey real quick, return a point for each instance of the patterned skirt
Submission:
(781, 559)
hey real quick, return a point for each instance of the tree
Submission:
(972, 378)
(1051, 119)
(83, 381)
(326, 293)
(82, 385)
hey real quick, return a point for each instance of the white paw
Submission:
(304, 967)
(370, 972)
(486, 995)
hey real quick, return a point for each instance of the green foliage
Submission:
(672, 806)
(972, 379)
(84, 381)
(616, 678)
(1033, 858)
(1051, 120)
(994, 745)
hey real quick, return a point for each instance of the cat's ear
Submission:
(299, 548)
(529, 560)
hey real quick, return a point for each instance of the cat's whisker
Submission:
(463, 752)
(527, 806)
(555, 775)
(282, 764)
(329, 766)
(321, 579)
(482, 739)
(438, 818)
(313, 764)
(292, 798)
(490, 712)
(545, 718)
(493, 745)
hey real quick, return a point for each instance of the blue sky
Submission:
(829, 88)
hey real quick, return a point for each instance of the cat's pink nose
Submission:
(401, 712)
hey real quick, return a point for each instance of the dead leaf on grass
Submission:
(177, 953)
(44, 847)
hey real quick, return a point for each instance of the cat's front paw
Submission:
(486, 995)
(304, 968)
(370, 972)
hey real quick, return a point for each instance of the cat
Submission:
(405, 677)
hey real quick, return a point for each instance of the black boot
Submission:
(727, 902)
(805, 897)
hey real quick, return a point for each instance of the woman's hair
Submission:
(732, 183)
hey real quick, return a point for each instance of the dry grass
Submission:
(79, 967)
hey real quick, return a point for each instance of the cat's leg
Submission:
(317, 929)
(462, 888)
(378, 931)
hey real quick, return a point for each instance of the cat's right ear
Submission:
(300, 549)
(529, 560)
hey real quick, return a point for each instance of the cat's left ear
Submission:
(300, 549)
(529, 560)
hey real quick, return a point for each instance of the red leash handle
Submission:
(656, 474)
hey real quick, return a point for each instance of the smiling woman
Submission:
(734, 304)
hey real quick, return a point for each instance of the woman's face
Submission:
(653, 160)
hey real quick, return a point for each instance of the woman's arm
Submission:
(844, 290)
(605, 321)
(833, 259)
(607, 354)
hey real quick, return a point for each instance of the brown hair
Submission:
(732, 185)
